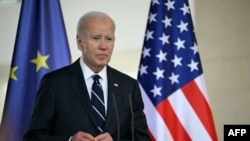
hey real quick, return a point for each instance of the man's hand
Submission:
(82, 136)
(103, 137)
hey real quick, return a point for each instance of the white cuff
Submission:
(70, 138)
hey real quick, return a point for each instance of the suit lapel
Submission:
(81, 91)
(113, 91)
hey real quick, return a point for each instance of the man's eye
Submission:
(110, 39)
(96, 38)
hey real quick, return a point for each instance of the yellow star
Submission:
(12, 73)
(40, 61)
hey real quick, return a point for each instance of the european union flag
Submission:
(41, 46)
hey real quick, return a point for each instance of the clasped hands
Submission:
(83, 136)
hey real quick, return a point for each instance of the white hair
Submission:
(92, 14)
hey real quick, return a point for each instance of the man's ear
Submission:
(79, 42)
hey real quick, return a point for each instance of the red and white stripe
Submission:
(184, 116)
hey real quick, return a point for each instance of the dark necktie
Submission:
(97, 101)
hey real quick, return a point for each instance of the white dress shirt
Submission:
(88, 73)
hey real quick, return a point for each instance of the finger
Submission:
(87, 136)
(103, 137)
(82, 136)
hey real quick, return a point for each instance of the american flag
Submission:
(171, 76)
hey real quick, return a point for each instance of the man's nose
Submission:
(103, 43)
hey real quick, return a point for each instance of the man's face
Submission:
(98, 43)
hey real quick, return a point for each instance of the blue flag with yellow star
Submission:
(41, 46)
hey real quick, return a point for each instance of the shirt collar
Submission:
(88, 73)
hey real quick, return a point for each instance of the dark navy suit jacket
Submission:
(62, 107)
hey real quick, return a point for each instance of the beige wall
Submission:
(223, 35)
(222, 29)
